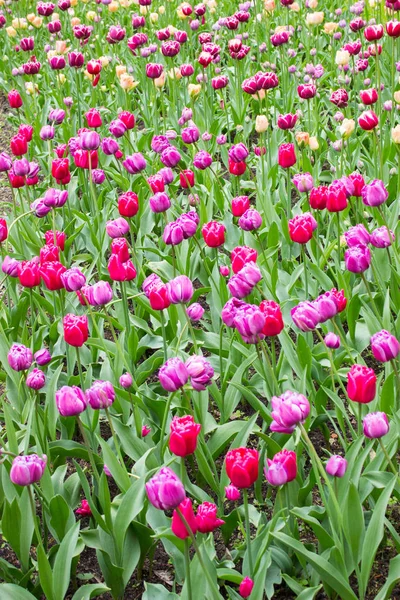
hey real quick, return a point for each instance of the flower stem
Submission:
(90, 453)
(389, 460)
(164, 424)
(187, 565)
(247, 525)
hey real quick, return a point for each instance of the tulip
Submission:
(361, 384)
(250, 220)
(273, 323)
(336, 198)
(160, 202)
(190, 135)
(368, 120)
(332, 341)
(118, 129)
(301, 228)
(14, 99)
(159, 297)
(29, 273)
(303, 182)
(357, 259)
(186, 179)
(26, 470)
(239, 205)
(242, 284)
(232, 493)
(135, 163)
(246, 587)
(374, 193)
(184, 433)
(288, 410)
(305, 316)
(339, 98)
(326, 305)
(49, 253)
(202, 160)
(213, 234)
(127, 118)
(200, 372)
(188, 222)
(173, 374)
(357, 236)
(180, 290)
(384, 346)
(282, 468)
(36, 379)
(51, 274)
(165, 490)
(75, 329)
(19, 357)
(238, 152)
(99, 293)
(121, 271)
(101, 394)
(195, 311)
(128, 204)
(173, 233)
(375, 425)
(5, 162)
(71, 401)
(18, 145)
(170, 157)
(179, 528)
(42, 357)
(206, 517)
(336, 466)
(242, 467)
(84, 510)
(286, 156)
(120, 247)
(372, 33)
(242, 255)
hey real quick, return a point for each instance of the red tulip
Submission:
(51, 274)
(184, 433)
(319, 197)
(336, 198)
(76, 330)
(186, 178)
(14, 99)
(369, 97)
(206, 518)
(236, 168)
(159, 297)
(213, 234)
(18, 145)
(128, 204)
(242, 466)
(121, 271)
(368, 120)
(178, 527)
(28, 273)
(361, 384)
(286, 156)
(242, 255)
(273, 318)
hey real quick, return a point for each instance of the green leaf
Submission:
(392, 579)
(9, 591)
(374, 534)
(157, 592)
(353, 522)
(324, 568)
(62, 563)
(309, 594)
(132, 503)
(45, 573)
(61, 516)
(90, 590)
(118, 472)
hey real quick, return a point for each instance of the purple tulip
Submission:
(326, 306)
(332, 341)
(249, 321)
(117, 228)
(202, 160)
(71, 401)
(54, 198)
(165, 490)
(250, 220)
(101, 394)
(99, 293)
(336, 466)
(10, 266)
(21, 167)
(73, 279)
(374, 193)
(42, 357)
(173, 234)
(19, 357)
(229, 311)
(288, 410)
(26, 470)
(5, 162)
(195, 312)
(170, 157)
(375, 425)
(238, 152)
(305, 316)
(160, 202)
(190, 134)
(98, 176)
(382, 237)
(232, 493)
(357, 236)
(135, 163)
(173, 374)
(126, 380)
(36, 379)
(303, 182)
(189, 222)
(180, 290)
(242, 283)
(357, 259)
(47, 132)
(384, 346)
(117, 128)
(150, 283)
(200, 372)
(109, 146)
(159, 143)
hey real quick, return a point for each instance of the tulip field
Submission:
(200, 300)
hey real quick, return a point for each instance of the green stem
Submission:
(389, 460)
(35, 520)
(114, 436)
(248, 536)
(78, 360)
(90, 453)
(304, 255)
(126, 308)
(164, 424)
(372, 299)
(187, 566)
(162, 320)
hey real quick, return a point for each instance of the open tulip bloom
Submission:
(199, 333)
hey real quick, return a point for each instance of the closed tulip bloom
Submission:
(242, 255)
(170, 157)
(382, 238)
(372, 33)
(213, 234)
(357, 236)
(10, 266)
(332, 341)
(101, 394)
(236, 168)
(183, 437)
(239, 205)
(273, 324)
(173, 374)
(306, 91)
(339, 98)
(303, 182)
(180, 290)
(21, 167)
(18, 145)
(375, 425)
(75, 329)
(286, 156)
(361, 384)
(206, 517)
(159, 298)
(384, 346)
(232, 493)
(305, 316)
(336, 198)
(357, 259)
(29, 273)
(120, 271)
(200, 371)
(159, 143)
(282, 468)
(202, 160)
(99, 293)
(42, 357)
(250, 220)
(71, 401)
(326, 306)
(190, 135)
(117, 228)
(26, 470)
(36, 379)
(178, 526)
(242, 466)
(128, 204)
(51, 274)
(165, 490)
(288, 410)
(126, 380)
(374, 193)
(238, 152)
(135, 163)
(195, 311)
(369, 96)
(173, 233)
(160, 202)
(14, 99)
(319, 197)
(188, 222)
(3, 230)
(19, 357)
(249, 321)
(229, 311)
(336, 466)
(393, 29)
(121, 247)
(301, 228)
(246, 585)
(151, 282)
(127, 118)
(5, 162)
(118, 129)
(368, 120)
(49, 253)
